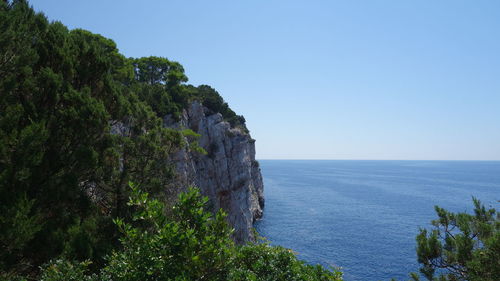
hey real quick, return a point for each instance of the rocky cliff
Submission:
(228, 174)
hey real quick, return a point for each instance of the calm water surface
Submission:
(363, 216)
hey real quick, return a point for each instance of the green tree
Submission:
(64, 169)
(461, 246)
(156, 70)
(159, 84)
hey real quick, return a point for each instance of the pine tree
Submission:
(461, 246)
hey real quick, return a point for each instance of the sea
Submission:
(363, 216)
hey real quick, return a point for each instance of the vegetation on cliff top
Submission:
(78, 122)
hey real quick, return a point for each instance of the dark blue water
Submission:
(363, 216)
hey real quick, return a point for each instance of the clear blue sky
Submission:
(328, 79)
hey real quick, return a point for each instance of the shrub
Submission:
(191, 244)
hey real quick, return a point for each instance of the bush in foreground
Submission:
(192, 244)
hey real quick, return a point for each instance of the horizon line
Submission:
(339, 159)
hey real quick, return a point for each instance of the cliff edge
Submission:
(228, 174)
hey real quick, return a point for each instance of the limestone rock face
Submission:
(228, 174)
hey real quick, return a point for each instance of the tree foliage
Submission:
(461, 246)
(73, 132)
(78, 122)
